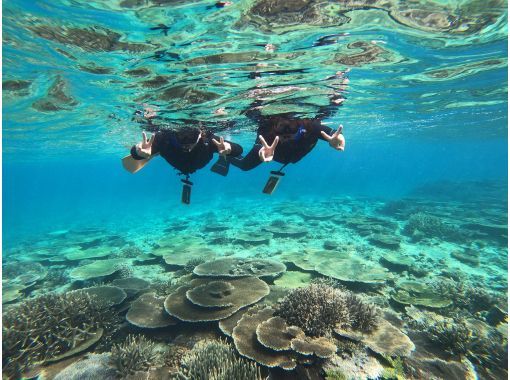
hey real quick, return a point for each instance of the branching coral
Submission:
(319, 307)
(136, 354)
(465, 296)
(454, 336)
(215, 360)
(192, 263)
(50, 326)
(424, 225)
(363, 316)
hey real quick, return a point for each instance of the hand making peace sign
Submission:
(144, 148)
(223, 147)
(266, 153)
(337, 140)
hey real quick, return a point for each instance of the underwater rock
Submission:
(93, 39)
(57, 98)
(96, 269)
(245, 340)
(385, 339)
(131, 285)
(243, 292)
(94, 366)
(288, 230)
(216, 360)
(148, 311)
(232, 267)
(107, 295)
(293, 279)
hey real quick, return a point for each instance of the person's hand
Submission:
(266, 153)
(144, 148)
(337, 140)
(223, 147)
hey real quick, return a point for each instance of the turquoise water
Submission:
(422, 181)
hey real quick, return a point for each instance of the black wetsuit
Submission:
(174, 145)
(297, 136)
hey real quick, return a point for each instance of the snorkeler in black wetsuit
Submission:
(186, 149)
(287, 139)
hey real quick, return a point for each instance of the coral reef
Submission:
(464, 296)
(421, 225)
(51, 326)
(363, 316)
(148, 312)
(232, 267)
(192, 263)
(124, 270)
(216, 299)
(135, 354)
(453, 335)
(318, 308)
(131, 285)
(216, 360)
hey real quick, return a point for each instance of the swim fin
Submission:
(132, 165)
(221, 166)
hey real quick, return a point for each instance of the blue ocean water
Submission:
(425, 122)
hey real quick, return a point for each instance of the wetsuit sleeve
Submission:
(155, 147)
(248, 162)
(237, 149)
(324, 128)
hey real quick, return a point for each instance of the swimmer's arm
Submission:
(147, 148)
(235, 149)
(324, 128)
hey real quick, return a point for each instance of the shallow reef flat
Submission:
(409, 288)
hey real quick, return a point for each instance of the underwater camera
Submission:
(272, 182)
(186, 191)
